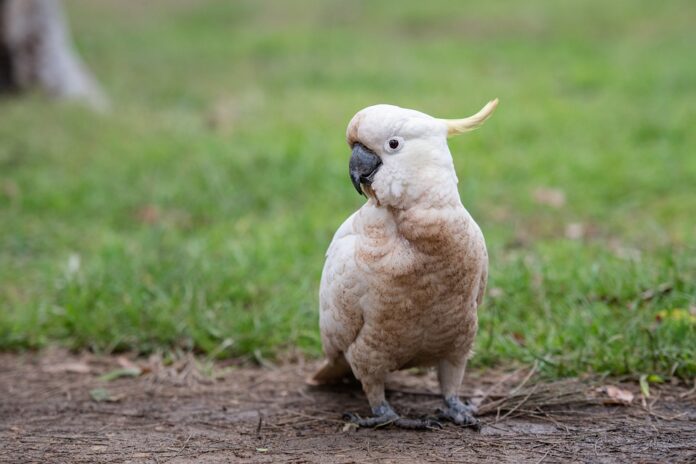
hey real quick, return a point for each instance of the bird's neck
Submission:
(435, 229)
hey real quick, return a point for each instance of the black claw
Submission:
(433, 424)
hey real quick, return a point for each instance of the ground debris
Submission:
(616, 395)
(268, 415)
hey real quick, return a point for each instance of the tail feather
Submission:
(332, 371)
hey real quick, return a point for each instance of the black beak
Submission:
(363, 166)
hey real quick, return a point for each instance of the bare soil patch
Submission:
(54, 407)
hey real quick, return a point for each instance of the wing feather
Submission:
(340, 316)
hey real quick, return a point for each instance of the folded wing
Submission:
(340, 317)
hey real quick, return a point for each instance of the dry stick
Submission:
(493, 426)
(548, 418)
(495, 403)
(690, 392)
(524, 400)
(260, 424)
(547, 453)
(666, 418)
(185, 445)
(297, 423)
(526, 379)
(326, 419)
(487, 394)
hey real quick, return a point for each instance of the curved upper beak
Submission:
(363, 166)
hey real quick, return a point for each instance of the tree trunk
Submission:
(35, 52)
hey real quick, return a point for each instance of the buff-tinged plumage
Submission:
(405, 274)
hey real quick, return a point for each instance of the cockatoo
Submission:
(405, 274)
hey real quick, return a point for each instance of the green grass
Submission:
(196, 214)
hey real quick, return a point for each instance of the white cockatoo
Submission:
(405, 274)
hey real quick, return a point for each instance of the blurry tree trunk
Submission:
(35, 52)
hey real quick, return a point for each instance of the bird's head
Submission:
(400, 154)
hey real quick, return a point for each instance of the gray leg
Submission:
(450, 376)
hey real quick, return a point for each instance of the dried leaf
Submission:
(618, 395)
(73, 367)
(118, 373)
(128, 364)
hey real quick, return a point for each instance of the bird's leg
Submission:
(450, 376)
(384, 414)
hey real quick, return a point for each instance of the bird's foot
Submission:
(459, 413)
(384, 415)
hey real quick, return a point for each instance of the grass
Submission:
(196, 214)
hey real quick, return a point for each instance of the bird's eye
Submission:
(394, 144)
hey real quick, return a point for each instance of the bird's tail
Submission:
(332, 371)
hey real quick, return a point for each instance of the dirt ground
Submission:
(56, 407)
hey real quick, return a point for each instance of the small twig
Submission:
(524, 400)
(526, 378)
(688, 393)
(260, 424)
(666, 418)
(547, 453)
(316, 418)
(493, 404)
(185, 445)
(548, 418)
(493, 426)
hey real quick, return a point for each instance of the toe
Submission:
(418, 424)
(433, 424)
(459, 417)
(467, 420)
(375, 421)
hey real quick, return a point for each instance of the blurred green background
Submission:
(195, 215)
